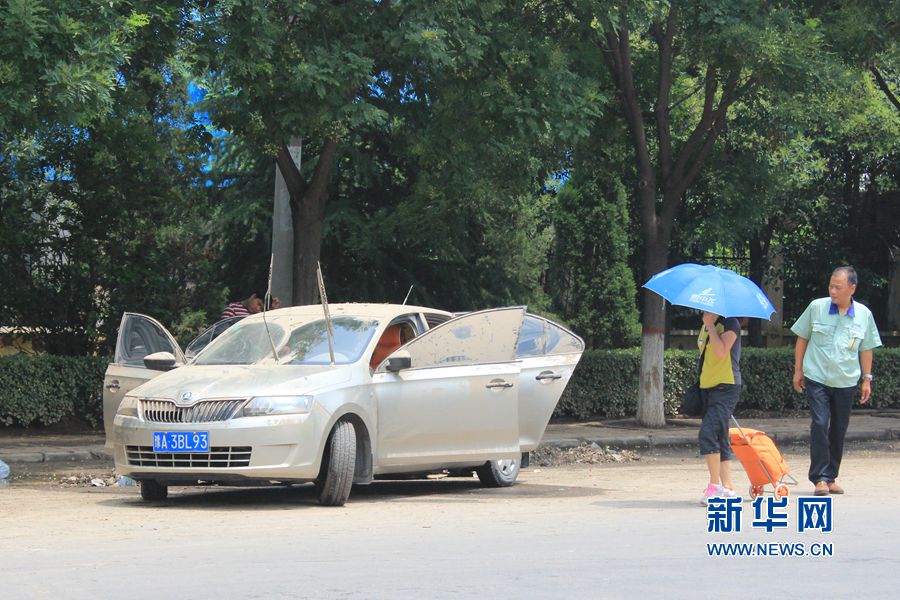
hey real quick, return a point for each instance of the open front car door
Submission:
(139, 336)
(457, 401)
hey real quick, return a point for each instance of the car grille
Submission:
(217, 457)
(205, 411)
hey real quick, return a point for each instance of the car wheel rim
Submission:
(507, 467)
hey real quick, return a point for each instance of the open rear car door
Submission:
(549, 354)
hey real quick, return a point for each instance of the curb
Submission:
(680, 441)
(55, 456)
(627, 442)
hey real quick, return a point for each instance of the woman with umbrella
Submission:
(720, 385)
(722, 295)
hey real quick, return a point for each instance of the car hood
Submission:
(242, 381)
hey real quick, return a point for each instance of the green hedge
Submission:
(605, 383)
(44, 390)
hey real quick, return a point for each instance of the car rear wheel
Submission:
(338, 465)
(499, 473)
(153, 490)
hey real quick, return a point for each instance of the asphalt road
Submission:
(632, 530)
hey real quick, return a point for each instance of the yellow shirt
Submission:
(717, 370)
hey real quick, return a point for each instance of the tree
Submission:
(677, 69)
(866, 34)
(280, 73)
(458, 85)
(102, 203)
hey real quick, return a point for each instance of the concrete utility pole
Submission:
(893, 311)
(283, 233)
(773, 287)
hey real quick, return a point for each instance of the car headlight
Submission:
(276, 405)
(128, 407)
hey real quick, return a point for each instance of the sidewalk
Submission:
(868, 425)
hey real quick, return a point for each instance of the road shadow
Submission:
(446, 490)
(661, 504)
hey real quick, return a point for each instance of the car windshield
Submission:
(297, 342)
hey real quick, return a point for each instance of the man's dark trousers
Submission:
(830, 411)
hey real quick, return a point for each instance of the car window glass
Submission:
(243, 344)
(435, 319)
(540, 337)
(295, 342)
(308, 344)
(480, 337)
(140, 337)
(203, 340)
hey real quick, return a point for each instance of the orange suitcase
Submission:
(761, 460)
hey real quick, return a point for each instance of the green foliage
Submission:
(450, 117)
(589, 280)
(58, 60)
(45, 390)
(102, 212)
(605, 382)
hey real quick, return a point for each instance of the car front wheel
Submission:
(338, 465)
(499, 473)
(153, 490)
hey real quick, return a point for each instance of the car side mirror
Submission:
(160, 361)
(399, 360)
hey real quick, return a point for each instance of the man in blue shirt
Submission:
(835, 335)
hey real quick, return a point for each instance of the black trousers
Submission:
(720, 403)
(829, 408)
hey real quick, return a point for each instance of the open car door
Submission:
(458, 400)
(549, 354)
(139, 335)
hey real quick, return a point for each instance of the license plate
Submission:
(181, 441)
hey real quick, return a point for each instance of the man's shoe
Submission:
(821, 488)
(834, 488)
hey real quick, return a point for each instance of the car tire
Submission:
(153, 490)
(338, 466)
(499, 473)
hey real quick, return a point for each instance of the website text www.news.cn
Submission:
(813, 516)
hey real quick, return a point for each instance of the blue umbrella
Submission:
(705, 287)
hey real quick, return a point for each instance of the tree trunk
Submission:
(307, 224)
(307, 215)
(651, 407)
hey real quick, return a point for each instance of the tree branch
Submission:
(319, 180)
(289, 171)
(676, 188)
(610, 56)
(687, 97)
(663, 123)
(634, 116)
(702, 127)
(884, 86)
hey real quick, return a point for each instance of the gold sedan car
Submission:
(375, 391)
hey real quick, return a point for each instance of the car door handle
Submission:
(548, 376)
(112, 386)
(499, 384)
